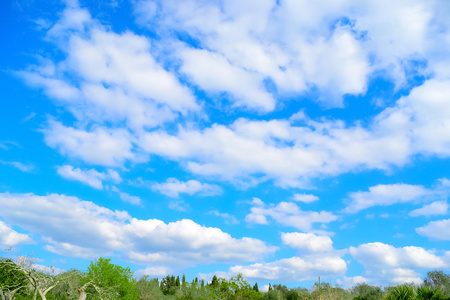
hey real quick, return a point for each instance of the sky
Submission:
(281, 139)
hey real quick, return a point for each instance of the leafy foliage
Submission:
(402, 292)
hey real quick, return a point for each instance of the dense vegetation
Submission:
(104, 280)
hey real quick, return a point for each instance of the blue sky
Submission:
(283, 140)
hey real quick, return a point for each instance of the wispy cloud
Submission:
(173, 188)
(91, 177)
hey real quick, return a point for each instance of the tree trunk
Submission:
(82, 295)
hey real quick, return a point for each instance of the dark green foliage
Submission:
(12, 278)
(428, 293)
(367, 292)
(292, 295)
(255, 287)
(402, 292)
(68, 285)
(168, 285)
(438, 279)
(215, 281)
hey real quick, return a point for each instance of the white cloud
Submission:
(215, 74)
(255, 42)
(110, 77)
(50, 270)
(229, 219)
(349, 282)
(173, 187)
(435, 208)
(305, 198)
(83, 229)
(287, 214)
(384, 263)
(9, 237)
(436, 230)
(179, 205)
(127, 197)
(158, 271)
(18, 165)
(294, 269)
(90, 177)
(102, 146)
(279, 150)
(307, 242)
(385, 195)
(288, 48)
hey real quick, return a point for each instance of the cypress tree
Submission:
(215, 281)
(255, 287)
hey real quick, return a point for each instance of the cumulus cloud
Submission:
(436, 230)
(215, 74)
(158, 271)
(385, 195)
(173, 187)
(307, 242)
(76, 228)
(384, 263)
(9, 237)
(287, 214)
(286, 153)
(90, 177)
(435, 208)
(294, 269)
(305, 198)
(110, 77)
(101, 146)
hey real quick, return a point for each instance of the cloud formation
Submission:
(91, 177)
(384, 263)
(9, 237)
(173, 187)
(287, 214)
(76, 228)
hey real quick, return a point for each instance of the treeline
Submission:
(104, 280)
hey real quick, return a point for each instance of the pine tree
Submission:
(270, 287)
(177, 283)
(183, 280)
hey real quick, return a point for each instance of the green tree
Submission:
(292, 295)
(149, 289)
(168, 285)
(367, 292)
(12, 279)
(402, 292)
(255, 287)
(105, 279)
(438, 279)
(69, 284)
(215, 282)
